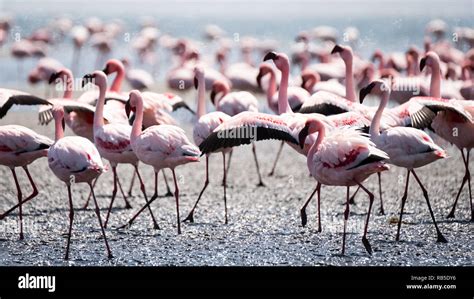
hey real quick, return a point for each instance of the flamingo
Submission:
(409, 148)
(204, 127)
(79, 35)
(345, 157)
(113, 140)
(163, 146)
(19, 147)
(311, 81)
(138, 78)
(75, 159)
(233, 103)
(445, 119)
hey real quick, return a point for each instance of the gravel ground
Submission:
(264, 223)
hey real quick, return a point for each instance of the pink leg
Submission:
(147, 205)
(129, 193)
(176, 196)
(114, 193)
(31, 196)
(272, 172)
(440, 236)
(351, 200)
(346, 217)
(97, 212)
(168, 190)
(190, 216)
(404, 199)
(254, 151)
(90, 195)
(155, 195)
(71, 219)
(19, 202)
(365, 241)
(224, 183)
(127, 203)
(466, 178)
(304, 218)
(382, 212)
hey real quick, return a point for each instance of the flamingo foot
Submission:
(441, 238)
(190, 218)
(304, 218)
(261, 184)
(451, 214)
(367, 245)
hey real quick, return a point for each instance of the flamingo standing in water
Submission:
(113, 140)
(162, 146)
(19, 147)
(409, 148)
(345, 157)
(453, 123)
(202, 129)
(75, 159)
(233, 103)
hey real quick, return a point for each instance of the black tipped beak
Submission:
(106, 70)
(303, 81)
(87, 79)
(270, 55)
(259, 79)
(365, 91)
(128, 108)
(337, 49)
(213, 96)
(196, 84)
(63, 123)
(422, 63)
(53, 77)
(302, 135)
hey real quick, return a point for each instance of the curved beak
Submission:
(106, 70)
(63, 123)
(422, 63)
(365, 91)
(53, 77)
(337, 49)
(213, 96)
(304, 79)
(87, 79)
(259, 79)
(302, 135)
(196, 84)
(270, 55)
(128, 108)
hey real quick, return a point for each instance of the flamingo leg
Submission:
(440, 237)
(228, 162)
(114, 193)
(346, 217)
(224, 183)
(382, 212)
(254, 151)
(351, 199)
(127, 204)
(404, 199)
(168, 190)
(365, 241)
(466, 178)
(130, 188)
(19, 202)
(304, 218)
(190, 216)
(147, 205)
(97, 212)
(272, 172)
(31, 196)
(176, 196)
(90, 195)
(71, 219)
(155, 194)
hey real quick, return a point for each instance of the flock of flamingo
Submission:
(319, 113)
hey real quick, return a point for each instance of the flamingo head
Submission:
(58, 114)
(219, 87)
(311, 126)
(112, 66)
(377, 55)
(280, 60)
(377, 87)
(265, 68)
(431, 59)
(134, 99)
(97, 78)
(198, 75)
(309, 76)
(344, 51)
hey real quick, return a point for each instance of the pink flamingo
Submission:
(311, 81)
(163, 146)
(75, 159)
(233, 103)
(409, 148)
(446, 117)
(19, 147)
(113, 140)
(345, 157)
(204, 127)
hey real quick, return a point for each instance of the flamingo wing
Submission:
(8, 98)
(423, 117)
(19, 139)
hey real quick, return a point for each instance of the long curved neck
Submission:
(99, 108)
(350, 89)
(58, 125)
(138, 122)
(435, 84)
(68, 81)
(375, 125)
(117, 84)
(316, 126)
(223, 92)
(272, 88)
(201, 109)
(283, 106)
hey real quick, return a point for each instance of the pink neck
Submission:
(223, 90)
(59, 131)
(117, 84)
(272, 88)
(68, 81)
(137, 124)
(315, 126)
(435, 84)
(283, 106)
(375, 125)
(201, 109)
(99, 108)
(350, 88)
